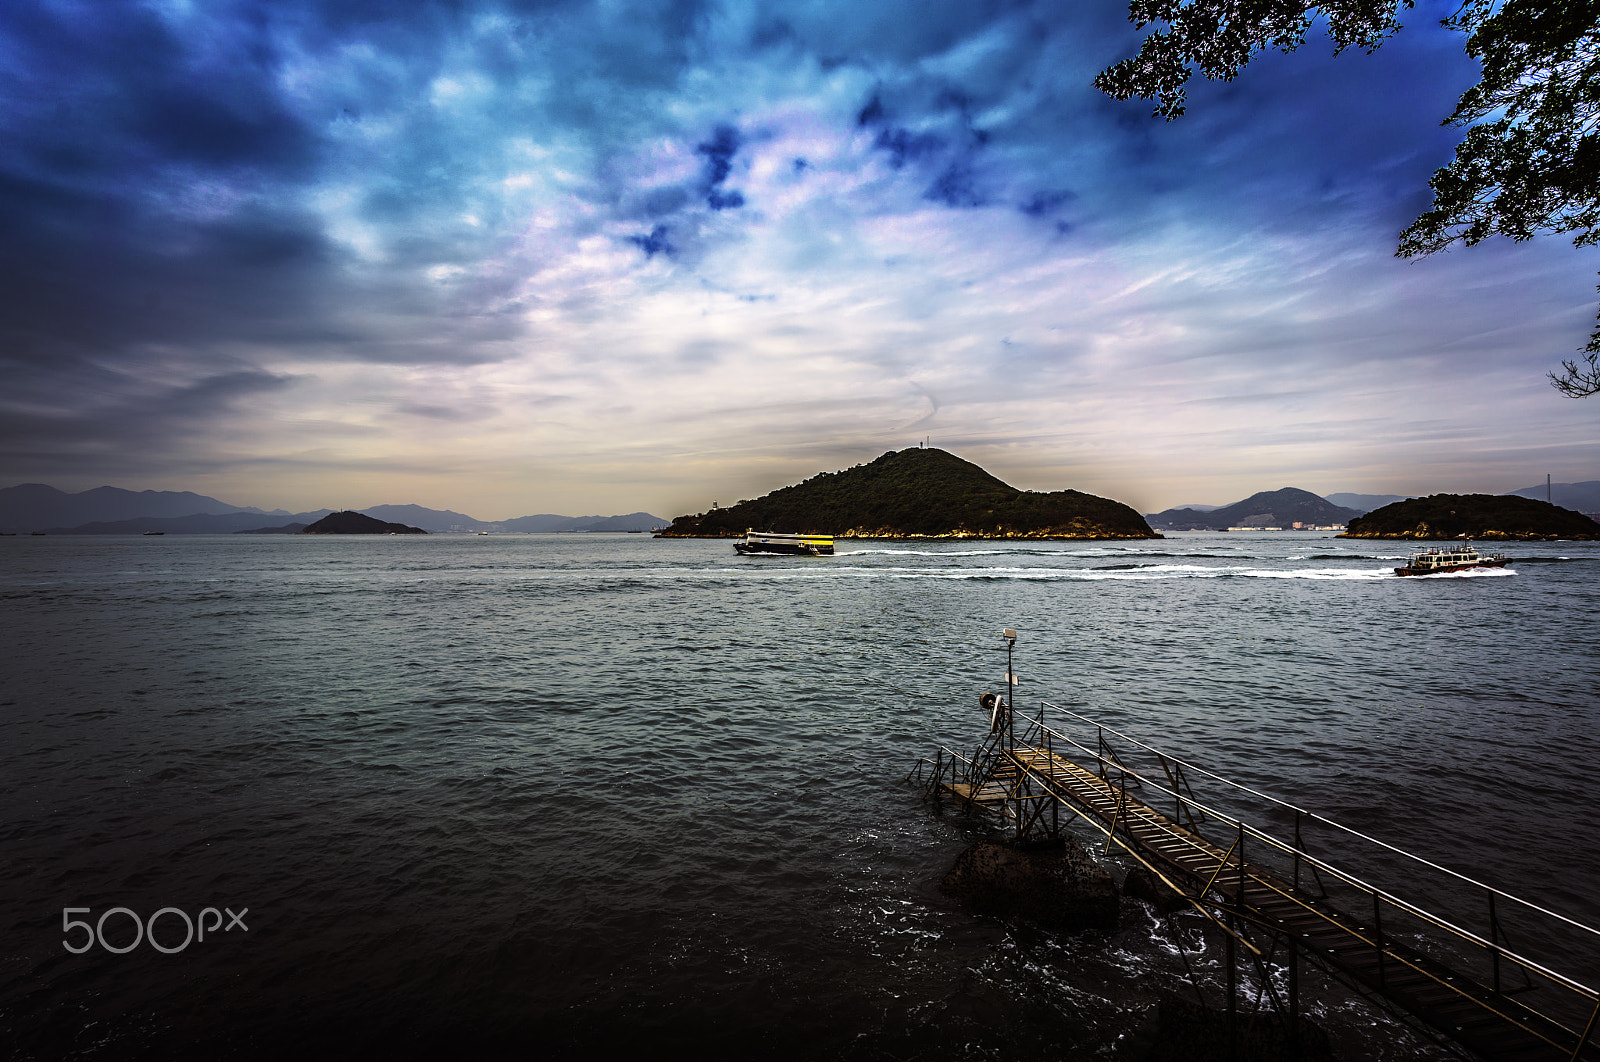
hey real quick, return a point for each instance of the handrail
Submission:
(1336, 825)
(1348, 878)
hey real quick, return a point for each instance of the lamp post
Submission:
(1011, 696)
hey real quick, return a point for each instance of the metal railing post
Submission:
(1587, 1029)
(1238, 890)
(1233, 988)
(1377, 935)
(1494, 941)
(1294, 999)
(1299, 846)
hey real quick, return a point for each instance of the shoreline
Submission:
(953, 537)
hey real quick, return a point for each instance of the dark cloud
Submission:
(124, 421)
(905, 146)
(1043, 204)
(718, 153)
(956, 187)
(655, 242)
(665, 201)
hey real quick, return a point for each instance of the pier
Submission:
(1275, 903)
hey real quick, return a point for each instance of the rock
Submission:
(1141, 884)
(1055, 884)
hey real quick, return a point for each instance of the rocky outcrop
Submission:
(1054, 884)
(1143, 885)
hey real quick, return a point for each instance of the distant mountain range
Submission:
(1365, 503)
(1271, 508)
(114, 511)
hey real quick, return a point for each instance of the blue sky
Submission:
(595, 257)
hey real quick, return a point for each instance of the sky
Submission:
(600, 257)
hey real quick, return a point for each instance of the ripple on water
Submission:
(557, 788)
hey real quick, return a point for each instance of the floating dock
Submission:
(1274, 901)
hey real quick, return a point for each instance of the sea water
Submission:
(574, 794)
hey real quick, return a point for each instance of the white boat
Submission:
(775, 542)
(1457, 559)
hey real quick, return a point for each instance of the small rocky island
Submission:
(1502, 517)
(918, 493)
(354, 523)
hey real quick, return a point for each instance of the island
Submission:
(918, 493)
(354, 523)
(1483, 516)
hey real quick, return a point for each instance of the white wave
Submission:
(934, 552)
(1027, 550)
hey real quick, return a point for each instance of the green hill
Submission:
(1485, 516)
(918, 493)
(354, 523)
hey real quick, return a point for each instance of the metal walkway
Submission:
(1271, 897)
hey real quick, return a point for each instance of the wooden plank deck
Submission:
(1488, 1023)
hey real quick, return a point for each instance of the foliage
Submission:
(918, 492)
(1220, 37)
(1530, 160)
(1489, 516)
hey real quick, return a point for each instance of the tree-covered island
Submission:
(1485, 516)
(918, 493)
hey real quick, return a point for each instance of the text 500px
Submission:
(173, 923)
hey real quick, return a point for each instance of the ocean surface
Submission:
(587, 795)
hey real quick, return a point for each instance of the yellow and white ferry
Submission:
(780, 543)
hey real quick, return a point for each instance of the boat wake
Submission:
(1114, 572)
(1470, 573)
(1036, 551)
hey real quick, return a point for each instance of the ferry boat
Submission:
(786, 544)
(1457, 559)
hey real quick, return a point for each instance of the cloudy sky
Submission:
(578, 257)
